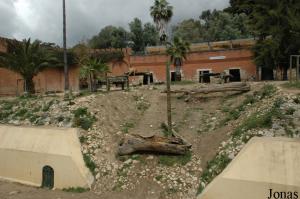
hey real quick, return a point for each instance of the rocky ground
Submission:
(218, 126)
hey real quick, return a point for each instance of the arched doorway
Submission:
(48, 177)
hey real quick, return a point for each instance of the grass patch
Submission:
(292, 85)
(126, 126)
(260, 120)
(266, 91)
(183, 82)
(47, 106)
(76, 190)
(171, 160)
(234, 113)
(142, 105)
(165, 129)
(213, 168)
(89, 163)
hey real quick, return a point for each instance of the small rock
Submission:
(150, 157)
(97, 176)
(135, 162)
(13, 192)
(129, 161)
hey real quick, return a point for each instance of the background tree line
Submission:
(276, 25)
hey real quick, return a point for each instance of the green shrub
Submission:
(81, 111)
(83, 119)
(21, 112)
(290, 111)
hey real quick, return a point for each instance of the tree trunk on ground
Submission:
(213, 89)
(137, 144)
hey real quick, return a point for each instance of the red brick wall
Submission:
(50, 79)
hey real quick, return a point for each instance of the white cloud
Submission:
(42, 19)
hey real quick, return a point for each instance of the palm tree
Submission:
(162, 12)
(178, 51)
(28, 59)
(91, 68)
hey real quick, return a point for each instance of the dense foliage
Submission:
(276, 24)
(177, 50)
(28, 58)
(213, 26)
(142, 35)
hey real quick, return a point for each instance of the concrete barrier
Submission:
(43, 156)
(266, 168)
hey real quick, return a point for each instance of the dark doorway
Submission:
(146, 79)
(204, 76)
(48, 177)
(235, 75)
(267, 73)
(173, 76)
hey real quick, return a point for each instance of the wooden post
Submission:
(291, 67)
(66, 71)
(169, 107)
(127, 83)
(297, 69)
(107, 84)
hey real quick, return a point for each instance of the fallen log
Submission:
(242, 87)
(166, 145)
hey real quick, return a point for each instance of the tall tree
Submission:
(189, 30)
(150, 35)
(178, 50)
(28, 59)
(119, 38)
(162, 13)
(137, 37)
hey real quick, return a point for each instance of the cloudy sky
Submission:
(42, 19)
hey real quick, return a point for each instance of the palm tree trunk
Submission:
(91, 82)
(66, 72)
(169, 113)
(178, 74)
(29, 85)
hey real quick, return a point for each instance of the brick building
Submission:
(233, 58)
(237, 61)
